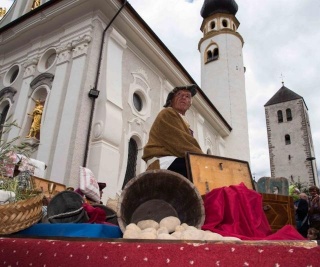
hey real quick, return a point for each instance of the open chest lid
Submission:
(208, 172)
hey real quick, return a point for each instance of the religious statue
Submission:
(35, 4)
(3, 11)
(36, 120)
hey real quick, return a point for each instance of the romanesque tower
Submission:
(222, 71)
(290, 143)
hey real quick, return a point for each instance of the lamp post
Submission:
(311, 159)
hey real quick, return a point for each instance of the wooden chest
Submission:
(208, 172)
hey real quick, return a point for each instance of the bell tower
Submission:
(290, 141)
(222, 71)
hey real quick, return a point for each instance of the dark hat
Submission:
(67, 207)
(191, 87)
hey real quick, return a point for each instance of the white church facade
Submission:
(103, 75)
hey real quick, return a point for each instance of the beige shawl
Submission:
(169, 136)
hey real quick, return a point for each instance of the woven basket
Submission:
(20, 215)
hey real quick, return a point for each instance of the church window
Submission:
(11, 75)
(47, 60)
(132, 162)
(215, 53)
(137, 102)
(289, 114)
(280, 116)
(225, 23)
(213, 25)
(287, 139)
(3, 117)
(14, 75)
(212, 53)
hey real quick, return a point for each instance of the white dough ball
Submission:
(170, 223)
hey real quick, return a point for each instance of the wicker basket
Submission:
(20, 215)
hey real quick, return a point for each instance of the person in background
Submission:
(314, 207)
(301, 207)
(170, 136)
(313, 234)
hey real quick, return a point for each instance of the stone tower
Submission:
(222, 71)
(290, 143)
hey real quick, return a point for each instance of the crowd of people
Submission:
(307, 212)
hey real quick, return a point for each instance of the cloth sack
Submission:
(89, 185)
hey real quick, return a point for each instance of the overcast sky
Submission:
(281, 40)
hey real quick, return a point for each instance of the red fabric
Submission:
(96, 215)
(53, 253)
(237, 211)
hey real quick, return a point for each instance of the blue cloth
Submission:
(72, 230)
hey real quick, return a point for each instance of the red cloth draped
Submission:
(237, 211)
(96, 215)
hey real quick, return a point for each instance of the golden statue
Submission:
(35, 4)
(3, 11)
(36, 121)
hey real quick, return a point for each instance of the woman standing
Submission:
(314, 209)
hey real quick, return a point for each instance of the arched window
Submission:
(280, 116)
(213, 25)
(3, 117)
(289, 114)
(132, 162)
(215, 53)
(209, 55)
(287, 139)
(225, 23)
(212, 53)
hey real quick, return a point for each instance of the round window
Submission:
(50, 60)
(47, 60)
(137, 102)
(11, 75)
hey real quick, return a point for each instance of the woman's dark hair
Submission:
(314, 188)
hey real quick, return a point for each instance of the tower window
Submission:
(280, 116)
(215, 53)
(225, 23)
(287, 139)
(213, 25)
(212, 53)
(289, 114)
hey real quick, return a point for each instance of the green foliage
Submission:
(303, 187)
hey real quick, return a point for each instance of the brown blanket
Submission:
(169, 136)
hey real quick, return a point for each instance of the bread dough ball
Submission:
(170, 223)
(148, 224)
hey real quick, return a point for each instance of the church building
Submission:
(290, 142)
(98, 75)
